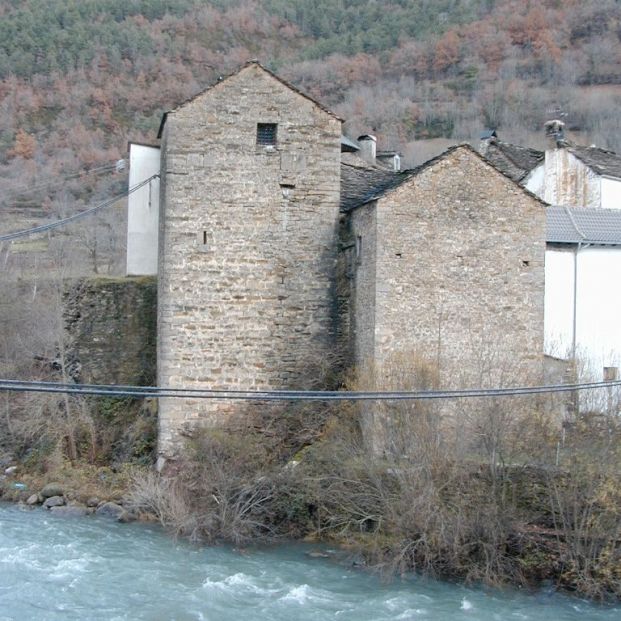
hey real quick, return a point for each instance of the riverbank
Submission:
(73, 490)
(524, 524)
(528, 554)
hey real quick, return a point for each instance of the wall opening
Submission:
(266, 134)
(358, 250)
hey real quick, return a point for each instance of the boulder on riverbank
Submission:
(71, 511)
(110, 509)
(54, 501)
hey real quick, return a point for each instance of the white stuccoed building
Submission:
(578, 177)
(583, 245)
(583, 289)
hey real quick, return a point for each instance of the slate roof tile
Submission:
(601, 161)
(506, 157)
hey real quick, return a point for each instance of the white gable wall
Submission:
(568, 181)
(143, 211)
(535, 181)
(598, 308)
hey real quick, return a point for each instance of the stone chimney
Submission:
(555, 133)
(487, 137)
(368, 147)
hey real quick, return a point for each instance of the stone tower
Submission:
(249, 210)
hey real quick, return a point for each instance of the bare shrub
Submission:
(166, 499)
(226, 489)
(422, 510)
(440, 493)
(585, 500)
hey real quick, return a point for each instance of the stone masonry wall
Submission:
(457, 261)
(460, 273)
(247, 246)
(110, 326)
(363, 262)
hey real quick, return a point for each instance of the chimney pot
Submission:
(555, 133)
(368, 147)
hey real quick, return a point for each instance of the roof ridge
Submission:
(594, 147)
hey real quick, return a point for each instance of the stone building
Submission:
(446, 266)
(282, 243)
(443, 256)
(248, 243)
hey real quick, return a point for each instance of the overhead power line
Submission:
(118, 390)
(30, 188)
(78, 216)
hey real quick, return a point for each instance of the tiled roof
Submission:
(507, 157)
(573, 225)
(361, 183)
(601, 161)
(351, 145)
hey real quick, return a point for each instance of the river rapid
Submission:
(57, 568)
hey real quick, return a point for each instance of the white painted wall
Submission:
(568, 181)
(535, 181)
(143, 211)
(611, 193)
(598, 309)
(558, 303)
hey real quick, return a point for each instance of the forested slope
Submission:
(80, 77)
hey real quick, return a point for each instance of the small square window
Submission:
(266, 134)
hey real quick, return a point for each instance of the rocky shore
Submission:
(68, 499)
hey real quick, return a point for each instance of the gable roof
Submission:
(583, 225)
(603, 162)
(360, 183)
(365, 185)
(523, 158)
(250, 63)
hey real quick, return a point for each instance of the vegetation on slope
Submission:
(78, 78)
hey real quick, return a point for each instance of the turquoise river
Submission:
(54, 568)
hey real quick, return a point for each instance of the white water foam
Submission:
(408, 614)
(299, 594)
(236, 583)
(466, 605)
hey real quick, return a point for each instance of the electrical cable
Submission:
(29, 189)
(78, 216)
(118, 390)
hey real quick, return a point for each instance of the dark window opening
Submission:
(204, 237)
(266, 134)
(525, 263)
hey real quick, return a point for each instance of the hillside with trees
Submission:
(79, 78)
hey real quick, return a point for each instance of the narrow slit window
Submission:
(266, 134)
(204, 238)
(358, 250)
